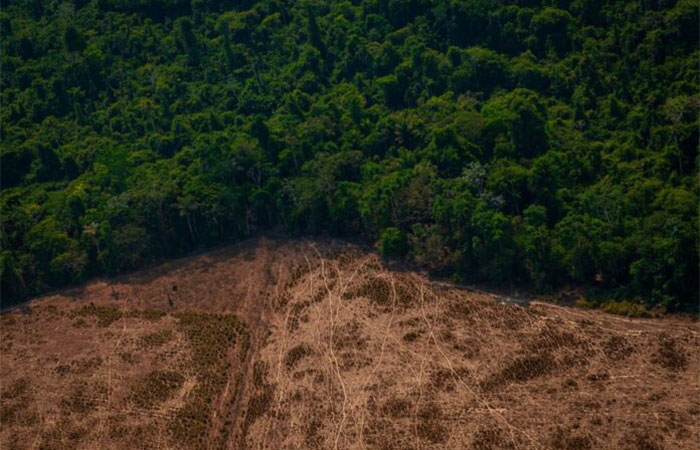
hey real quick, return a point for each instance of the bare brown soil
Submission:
(274, 344)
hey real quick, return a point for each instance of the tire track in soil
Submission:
(255, 317)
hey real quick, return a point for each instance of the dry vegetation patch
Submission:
(211, 337)
(377, 290)
(319, 345)
(669, 355)
(14, 404)
(491, 438)
(155, 388)
(430, 425)
(522, 369)
(617, 348)
(156, 339)
(295, 354)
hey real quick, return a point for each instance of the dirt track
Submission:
(270, 344)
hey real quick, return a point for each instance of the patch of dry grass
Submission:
(296, 354)
(155, 339)
(211, 338)
(520, 370)
(155, 388)
(669, 355)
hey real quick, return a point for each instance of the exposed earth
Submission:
(278, 344)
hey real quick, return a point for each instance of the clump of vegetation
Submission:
(490, 439)
(647, 442)
(146, 314)
(350, 335)
(569, 440)
(431, 425)
(80, 323)
(462, 310)
(15, 389)
(630, 309)
(296, 354)
(321, 293)
(7, 320)
(393, 242)
(85, 365)
(296, 309)
(142, 435)
(527, 368)
(211, 338)
(669, 355)
(14, 402)
(617, 348)
(62, 369)
(300, 270)
(155, 388)
(84, 397)
(522, 369)
(412, 335)
(376, 290)
(128, 357)
(353, 360)
(601, 375)
(259, 404)
(311, 429)
(551, 338)
(64, 435)
(397, 408)
(570, 383)
(105, 315)
(443, 380)
(79, 366)
(259, 374)
(260, 398)
(155, 339)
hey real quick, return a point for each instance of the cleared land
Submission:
(276, 344)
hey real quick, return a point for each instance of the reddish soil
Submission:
(274, 344)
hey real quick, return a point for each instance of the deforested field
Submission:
(274, 344)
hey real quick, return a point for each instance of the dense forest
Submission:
(539, 143)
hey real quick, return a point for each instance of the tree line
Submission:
(546, 143)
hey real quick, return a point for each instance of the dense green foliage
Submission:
(543, 142)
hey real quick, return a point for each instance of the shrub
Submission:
(393, 242)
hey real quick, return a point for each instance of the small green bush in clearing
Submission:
(393, 242)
